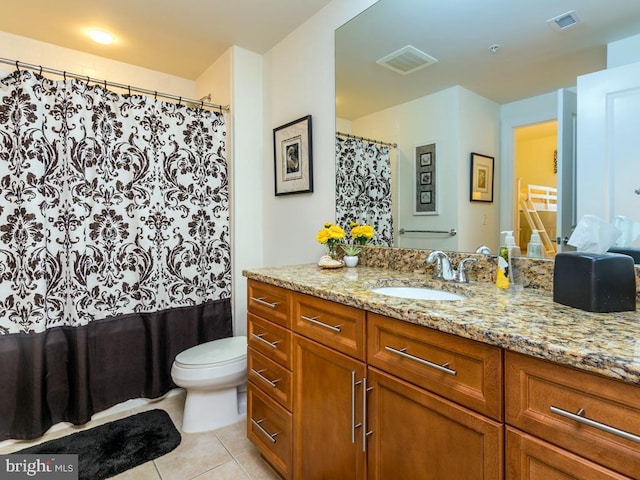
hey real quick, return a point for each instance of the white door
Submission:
(566, 158)
(608, 143)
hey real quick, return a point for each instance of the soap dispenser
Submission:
(534, 248)
(508, 276)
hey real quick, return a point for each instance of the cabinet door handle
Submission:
(321, 324)
(442, 368)
(365, 433)
(578, 417)
(259, 337)
(271, 383)
(270, 436)
(353, 406)
(262, 301)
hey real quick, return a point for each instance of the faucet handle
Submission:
(461, 273)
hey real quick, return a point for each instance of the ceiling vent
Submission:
(406, 60)
(564, 21)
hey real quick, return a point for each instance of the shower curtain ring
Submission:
(40, 72)
(88, 80)
(129, 87)
(105, 84)
(64, 75)
(180, 101)
(155, 95)
(17, 66)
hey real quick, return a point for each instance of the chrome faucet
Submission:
(443, 269)
(461, 273)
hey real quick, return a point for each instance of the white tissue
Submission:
(593, 235)
(630, 230)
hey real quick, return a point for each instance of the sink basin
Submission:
(417, 293)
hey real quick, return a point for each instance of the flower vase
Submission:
(333, 250)
(350, 260)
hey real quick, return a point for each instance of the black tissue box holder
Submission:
(595, 282)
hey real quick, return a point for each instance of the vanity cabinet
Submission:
(269, 375)
(581, 417)
(330, 385)
(418, 427)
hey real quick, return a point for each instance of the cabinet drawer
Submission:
(529, 458)
(575, 410)
(270, 377)
(337, 326)
(269, 339)
(465, 371)
(269, 427)
(270, 302)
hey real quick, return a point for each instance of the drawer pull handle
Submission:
(259, 337)
(578, 417)
(442, 368)
(271, 383)
(321, 324)
(270, 436)
(262, 301)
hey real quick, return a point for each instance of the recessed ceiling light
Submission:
(565, 20)
(100, 36)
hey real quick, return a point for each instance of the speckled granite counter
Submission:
(528, 322)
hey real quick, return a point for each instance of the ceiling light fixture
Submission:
(100, 36)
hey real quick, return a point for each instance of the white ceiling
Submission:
(179, 37)
(533, 57)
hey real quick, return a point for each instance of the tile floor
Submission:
(224, 454)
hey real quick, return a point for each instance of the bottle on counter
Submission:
(534, 248)
(508, 275)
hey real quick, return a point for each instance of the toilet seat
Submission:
(224, 351)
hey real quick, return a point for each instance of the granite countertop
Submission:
(528, 322)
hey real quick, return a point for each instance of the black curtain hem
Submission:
(66, 374)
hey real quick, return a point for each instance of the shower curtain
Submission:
(114, 246)
(363, 187)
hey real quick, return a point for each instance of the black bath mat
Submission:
(117, 446)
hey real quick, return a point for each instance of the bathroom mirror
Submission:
(497, 52)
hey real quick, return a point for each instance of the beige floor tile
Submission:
(146, 471)
(229, 471)
(197, 453)
(257, 468)
(234, 438)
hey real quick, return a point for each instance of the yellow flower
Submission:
(361, 234)
(330, 234)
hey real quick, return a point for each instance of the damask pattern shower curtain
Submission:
(363, 187)
(109, 204)
(114, 246)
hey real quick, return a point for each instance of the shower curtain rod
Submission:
(40, 69)
(393, 145)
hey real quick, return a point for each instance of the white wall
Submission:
(299, 80)
(623, 51)
(247, 174)
(478, 132)
(48, 55)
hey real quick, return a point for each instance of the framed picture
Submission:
(481, 178)
(425, 192)
(293, 159)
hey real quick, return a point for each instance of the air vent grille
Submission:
(406, 60)
(564, 21)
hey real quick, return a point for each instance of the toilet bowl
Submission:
(214, 374)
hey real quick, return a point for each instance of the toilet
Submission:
(214, 374)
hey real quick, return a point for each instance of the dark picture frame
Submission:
(293, 157)
(425, 180)
(481, 189)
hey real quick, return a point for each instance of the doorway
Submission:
(536, 190)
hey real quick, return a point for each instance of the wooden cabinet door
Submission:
(328, 412)
(419, 435)
(529, 458)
